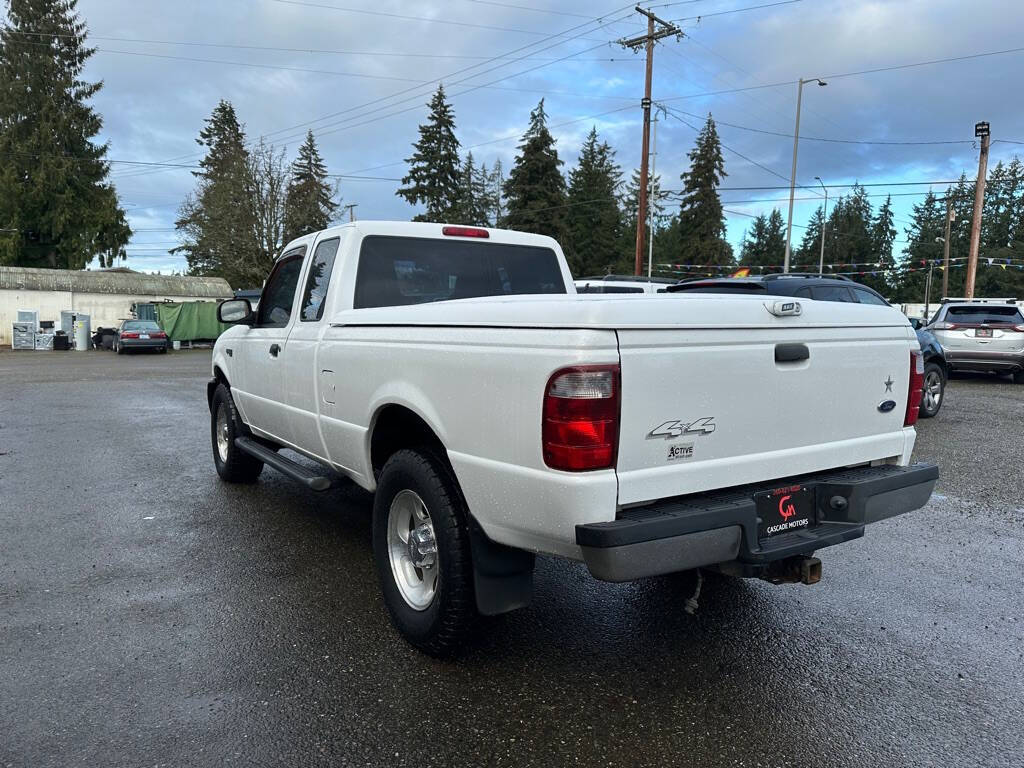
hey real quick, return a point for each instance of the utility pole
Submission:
(792, 177)
(981, 130)
(652, 199)
(351, 208)
(945, 256)
(666, 29)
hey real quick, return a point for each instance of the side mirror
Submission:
(915, 323)
(235, 311)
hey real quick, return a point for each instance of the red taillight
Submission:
(158, 335)
(580, 429)
(945, 326)
(465, 232)
(129, 335)
(1019, 328)
(915, 388)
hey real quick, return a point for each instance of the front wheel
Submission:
(933, 391)
(233, 465)
(422, 554)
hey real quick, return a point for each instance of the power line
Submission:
(600, 21)
(282, 49)
(832, 141)
(854, 74)
(352, 74)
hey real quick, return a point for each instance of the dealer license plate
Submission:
(143, 335)
(785, 509)
(985, 333)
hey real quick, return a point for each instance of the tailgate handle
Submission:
(791, 353)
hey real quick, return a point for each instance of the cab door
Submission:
(264, 351)
(304, 377)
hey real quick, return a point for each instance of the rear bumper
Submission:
(143, 343)
(985, 360)
(722, 526)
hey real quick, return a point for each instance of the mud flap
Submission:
(502, 576)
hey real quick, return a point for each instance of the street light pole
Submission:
(824, 218)
(792, 176)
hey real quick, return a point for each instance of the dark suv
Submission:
(812, 286)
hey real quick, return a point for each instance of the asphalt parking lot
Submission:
(151, 615)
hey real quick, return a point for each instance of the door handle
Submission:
(275, 349)
(791, 353)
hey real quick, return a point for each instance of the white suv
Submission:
(982, 336)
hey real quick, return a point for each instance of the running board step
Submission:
(294, 470)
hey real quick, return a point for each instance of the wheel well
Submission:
(397, 427)
(211, 387)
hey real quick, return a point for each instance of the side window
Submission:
(319, 280)
(867, 297)
(831, 293)
(803, 293)
(279, 292)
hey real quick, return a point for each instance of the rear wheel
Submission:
(934, 391)
(118, 348)
(233, 465)
(1018, 377)
(422, 554)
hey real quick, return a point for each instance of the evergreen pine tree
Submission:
(764, 245)
(471, 204)
(434, 168)
(927, 223)
(809, 250)
(535, 189)
(701, 223)
(662, 248)
(495, 194)
(217, 222)
(594, 220)
(883, 234)
(53, 179)
(309, 204)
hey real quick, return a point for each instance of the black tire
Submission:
(1018, 377)
(118, 348)
(234, 466)
(163, 350)
(440, 628)
(932, 372)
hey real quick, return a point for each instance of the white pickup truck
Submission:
(454, 372)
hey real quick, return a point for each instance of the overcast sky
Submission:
(358, 72)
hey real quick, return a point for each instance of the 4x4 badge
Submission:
(673, 429)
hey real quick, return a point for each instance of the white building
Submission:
(105, 295)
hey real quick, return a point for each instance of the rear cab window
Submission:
(399, 271)
(319, 280)
(980, 314)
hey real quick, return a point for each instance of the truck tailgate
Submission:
(763, 399)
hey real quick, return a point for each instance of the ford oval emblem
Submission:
(886, 405)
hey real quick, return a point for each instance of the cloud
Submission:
(153, 108)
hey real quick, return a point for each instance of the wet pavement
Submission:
(151, 615)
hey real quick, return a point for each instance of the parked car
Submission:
(134, 335)
(623, 284)
(841, 289)
(492, 424)
(981, 336)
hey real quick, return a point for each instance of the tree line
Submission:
(249, 203)
(59, 209)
